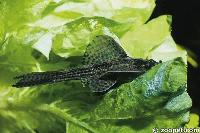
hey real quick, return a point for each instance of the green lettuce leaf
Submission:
(148, 101)
(76, 36)
(148, 92)
(129, 11)
(40, 21)
(140, 41)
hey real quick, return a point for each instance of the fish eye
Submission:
(151, 61)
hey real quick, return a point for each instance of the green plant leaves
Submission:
(50, 35)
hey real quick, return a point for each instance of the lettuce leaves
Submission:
(53, 34)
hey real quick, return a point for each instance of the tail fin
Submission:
(38, 78)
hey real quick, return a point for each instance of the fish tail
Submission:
(49, 77)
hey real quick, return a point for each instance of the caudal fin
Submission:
(38, 78)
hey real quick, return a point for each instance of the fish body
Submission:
(104, 65)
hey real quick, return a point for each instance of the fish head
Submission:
(150, 63)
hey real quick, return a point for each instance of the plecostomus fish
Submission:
(105, 64)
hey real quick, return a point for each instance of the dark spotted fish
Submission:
(105, 64)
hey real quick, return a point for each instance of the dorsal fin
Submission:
(102, 49)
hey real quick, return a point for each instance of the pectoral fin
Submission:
(98, 85)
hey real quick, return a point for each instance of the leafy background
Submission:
(49, 35)
(185, 31)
